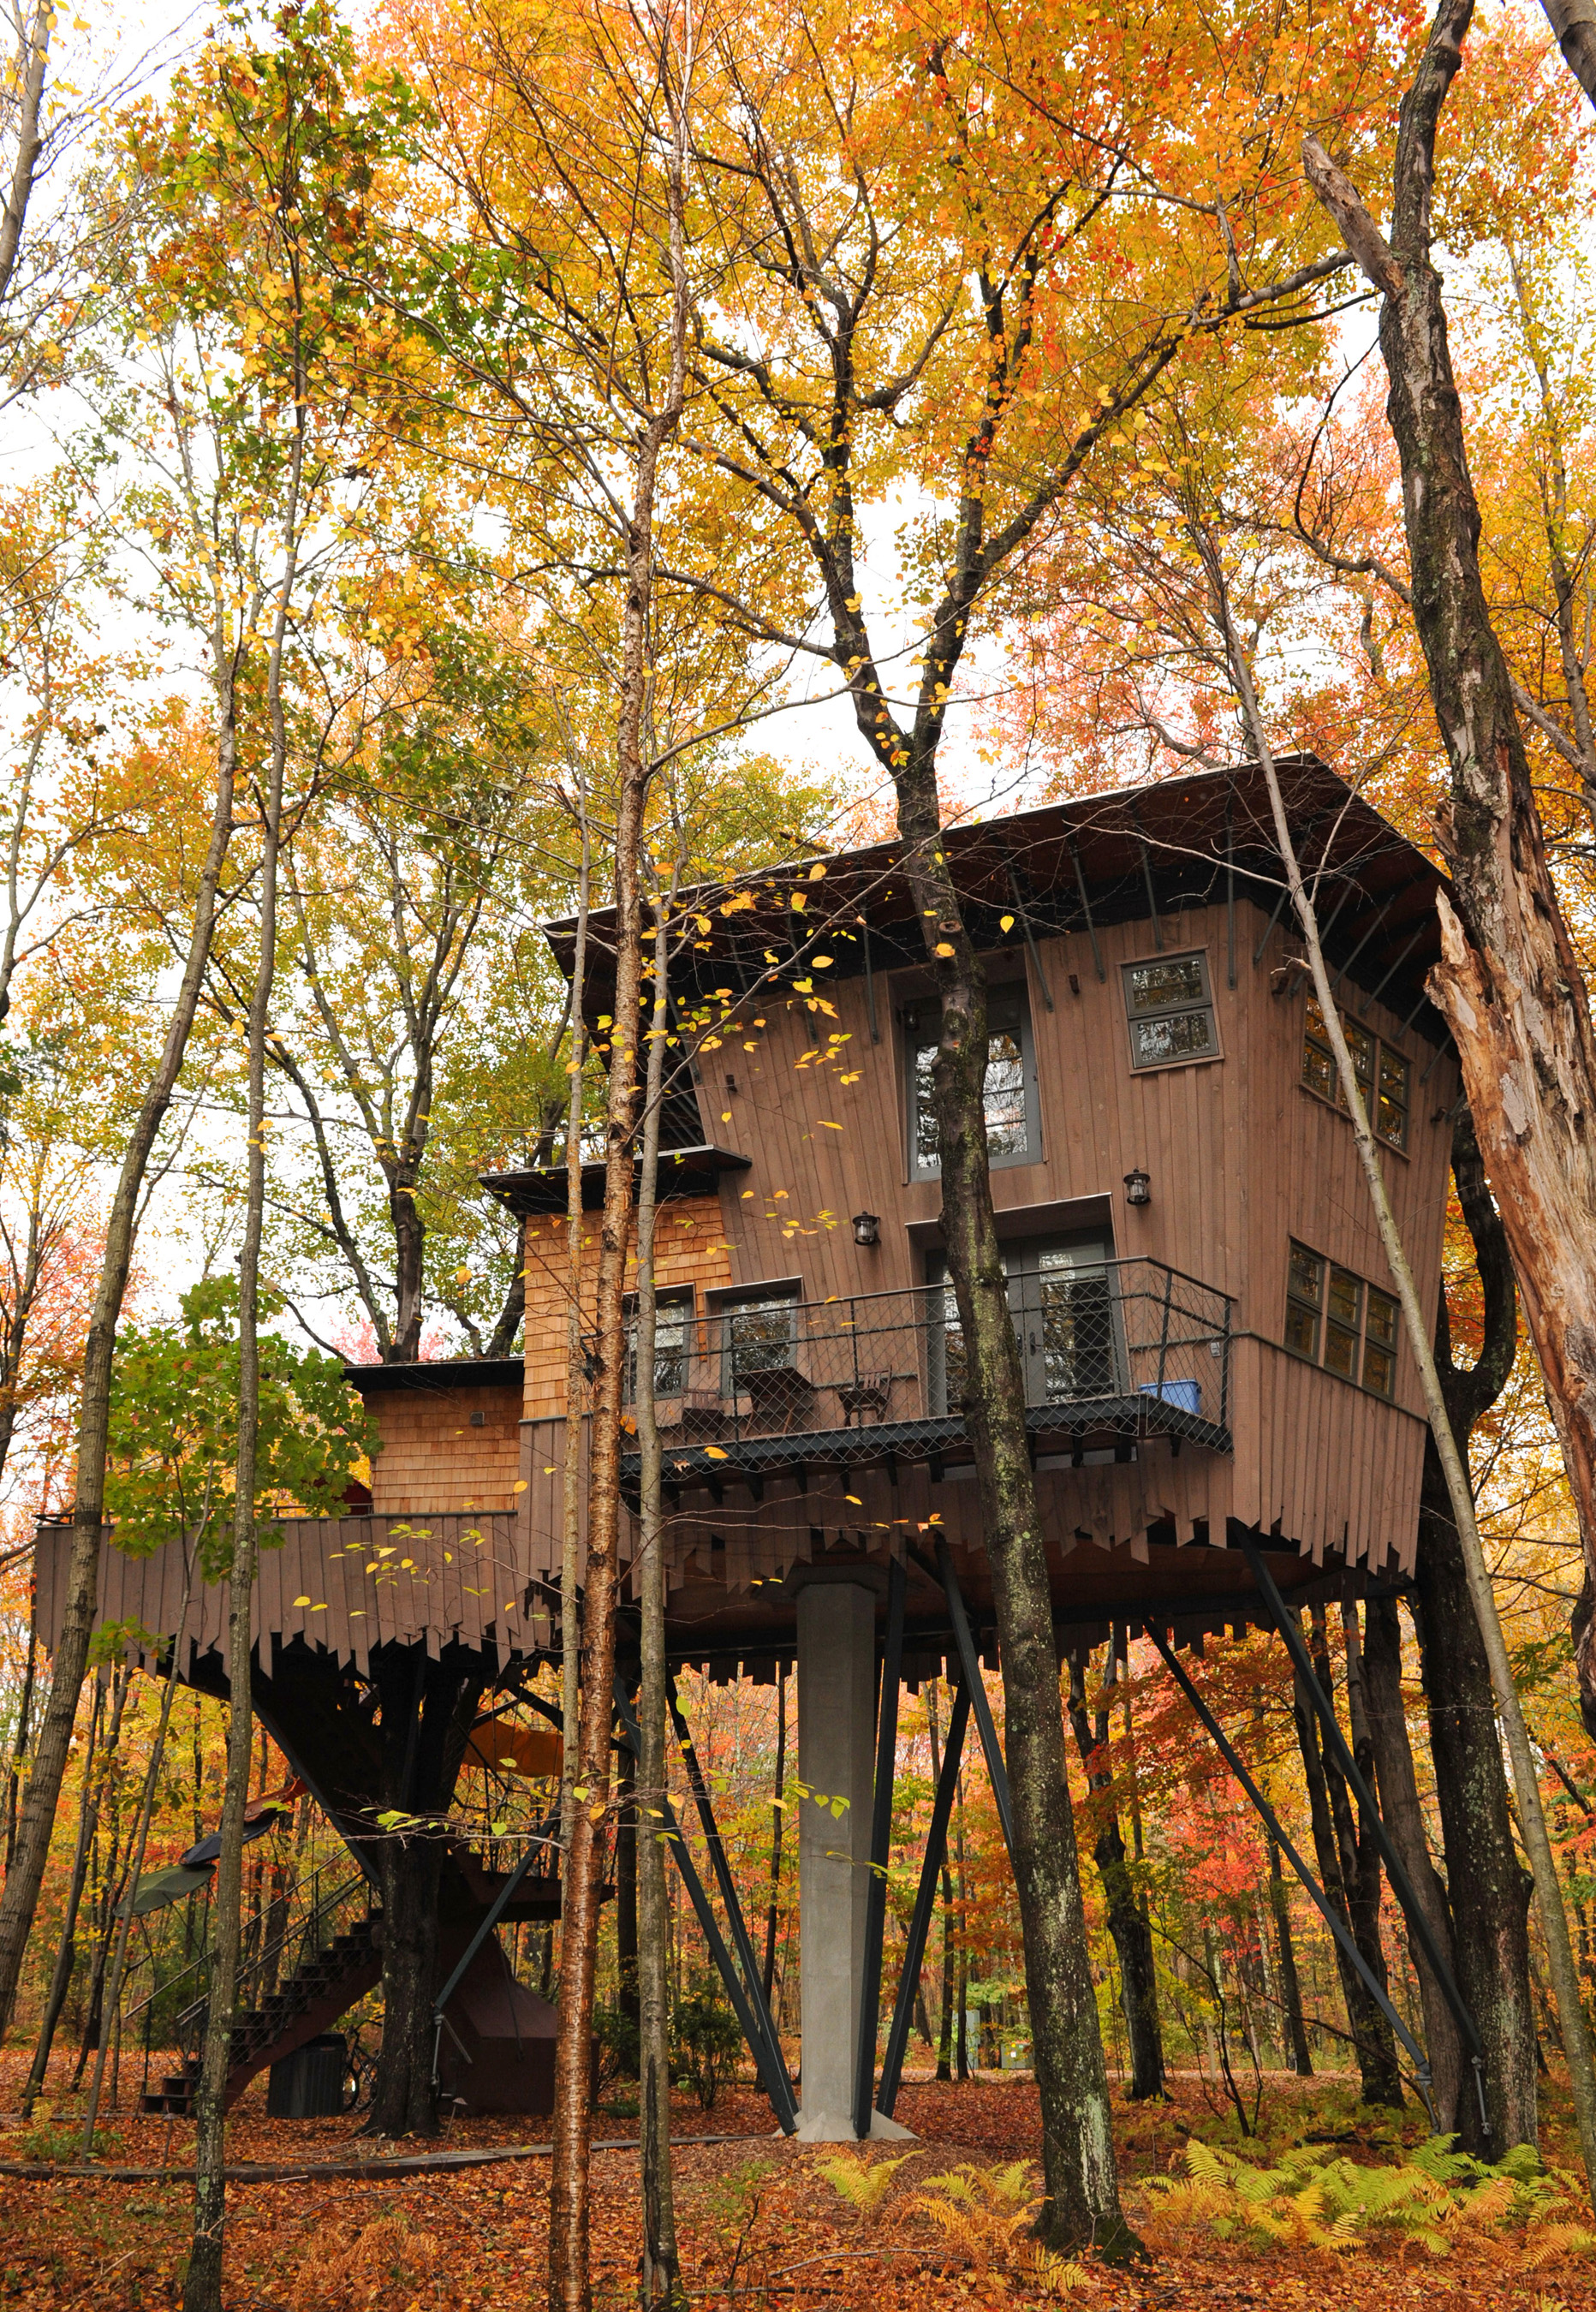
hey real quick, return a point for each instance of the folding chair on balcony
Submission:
(868, 1395)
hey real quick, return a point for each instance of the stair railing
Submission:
(320, 1909)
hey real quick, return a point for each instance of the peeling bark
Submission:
(1507, 983)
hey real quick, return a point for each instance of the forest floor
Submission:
(761, 2222)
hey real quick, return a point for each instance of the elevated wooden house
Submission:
(1208, 1329)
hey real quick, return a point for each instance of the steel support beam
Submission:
(919, 1925)
(1272, 1824)
(971, 1668)
(1402, 1886)
(772, 2070)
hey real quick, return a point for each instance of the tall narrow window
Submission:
(1008, 1089)
(1168, 1006)
(1383, 1073)
(672, 1342)
(1304, 1302)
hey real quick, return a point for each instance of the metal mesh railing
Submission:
(1114, 1340)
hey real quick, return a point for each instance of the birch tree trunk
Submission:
(1508, 983)
(571, 1568)
(662, 2265)
(202, 2284)
(569, 2279)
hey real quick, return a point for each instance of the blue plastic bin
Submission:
(1187, 1394)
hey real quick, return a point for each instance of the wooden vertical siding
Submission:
(365, 1581)
(1241, 1158)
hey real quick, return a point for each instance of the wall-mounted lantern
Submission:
(1138, 1187)
(867, 1228)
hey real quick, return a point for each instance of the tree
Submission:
(993, 353)
(1128, 1923)
(1485, 1879)
(1509, 984)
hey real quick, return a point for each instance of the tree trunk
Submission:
(202, 2282)
(66, 1950)
(778, 1816)
(427, 1710)
(1508, 983)
(1291, 1987)
(569, 2278)
(19, 1748)
(661, 2261)
(1371, 2033)
(1128, 1923)
(1381, 1660)
(25, 1876)
(626, 1893)
(1575, 29)
(1080, 2204)
(1490, 1916)
(137, 1854)
(944, 2034)
(1361, 1883)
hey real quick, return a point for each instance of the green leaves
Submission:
(174, 1430)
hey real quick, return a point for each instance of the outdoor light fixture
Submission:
(867, 1228)
(1138, 1188)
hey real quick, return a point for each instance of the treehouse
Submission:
(1222, 1416)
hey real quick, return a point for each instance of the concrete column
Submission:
(837, 1686)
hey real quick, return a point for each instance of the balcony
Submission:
(1113, 1353)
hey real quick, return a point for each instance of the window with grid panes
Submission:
(1384, 1075)
(1169, 1008)
(1334, 1318)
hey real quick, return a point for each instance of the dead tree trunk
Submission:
(1508, 983)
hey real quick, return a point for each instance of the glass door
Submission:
(1062, 1300)
(1062, 1297)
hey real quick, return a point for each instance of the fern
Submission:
(1432, 2198)
(863, 2183)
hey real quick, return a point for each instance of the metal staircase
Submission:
(339, 1959)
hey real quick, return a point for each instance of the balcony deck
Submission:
(1112, 1354)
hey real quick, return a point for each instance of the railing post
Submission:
(1163, 1334)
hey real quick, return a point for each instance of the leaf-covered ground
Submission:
(762, 2223)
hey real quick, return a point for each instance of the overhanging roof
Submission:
(683, 1173)
(1070, 867)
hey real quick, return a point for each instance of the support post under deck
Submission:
(835, 1764)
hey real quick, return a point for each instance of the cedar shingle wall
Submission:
(689, 1249)
(432, 1457)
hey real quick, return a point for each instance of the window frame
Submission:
(1372, 1083)
(731, 1301)
(1008, 994)
(1188, 1009)
(1319, 1310)
(669, 1298)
